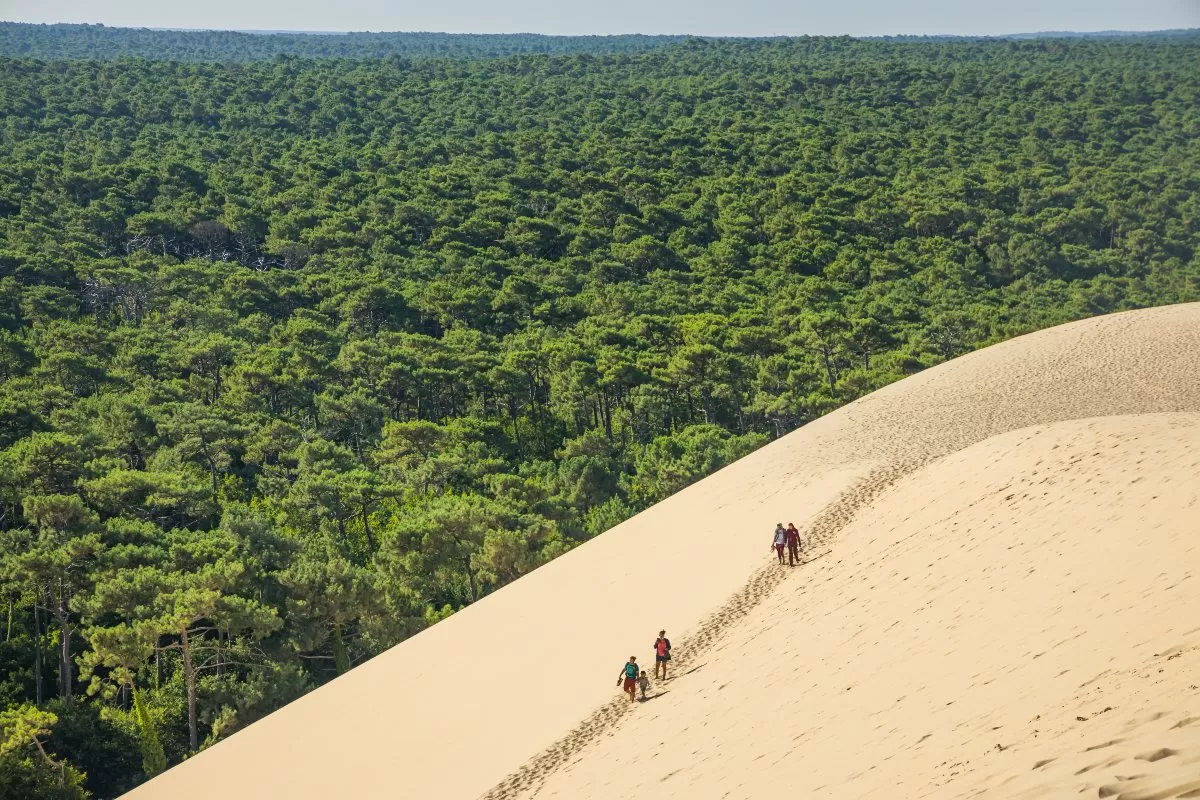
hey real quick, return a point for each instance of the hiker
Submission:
(643, 683)
(780, 540)
(662, 654)
(629, 673)
(793, 544)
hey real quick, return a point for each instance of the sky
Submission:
(698, 17)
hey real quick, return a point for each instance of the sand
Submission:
(1001, 551)
(1028, 625)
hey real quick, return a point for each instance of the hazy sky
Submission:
(705, 17)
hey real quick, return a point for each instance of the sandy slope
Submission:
(1020, 618)
(453, 711)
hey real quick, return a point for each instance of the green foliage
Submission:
(670, 463)
(98, 41)
(25, 776)
(27, 770)
(154, 760)
(298, 357)
(23, 726)
(99, 747)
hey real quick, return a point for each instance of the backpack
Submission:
(662, 646)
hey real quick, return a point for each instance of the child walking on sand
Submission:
(643, 683)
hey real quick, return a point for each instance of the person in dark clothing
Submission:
(793, 545)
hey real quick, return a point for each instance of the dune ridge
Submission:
(448, 714)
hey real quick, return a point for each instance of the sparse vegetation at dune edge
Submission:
(299, 357)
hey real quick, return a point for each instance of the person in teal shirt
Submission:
(630, 674)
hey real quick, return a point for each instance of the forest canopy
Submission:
(71, 42)
(298, 357)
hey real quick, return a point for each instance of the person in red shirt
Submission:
(662, 654)
(793, 545)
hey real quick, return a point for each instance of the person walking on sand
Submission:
(643, 684)
(780, 540)
(662, 654)
(629, 673)
(793, 544)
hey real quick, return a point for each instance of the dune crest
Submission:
(462, 706)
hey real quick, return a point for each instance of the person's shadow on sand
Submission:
(654, 696)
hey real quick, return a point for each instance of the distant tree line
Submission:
(67, 41)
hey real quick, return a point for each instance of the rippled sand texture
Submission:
(998, 599)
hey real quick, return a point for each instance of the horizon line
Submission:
(293, 32)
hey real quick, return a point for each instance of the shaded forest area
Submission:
(299, 357)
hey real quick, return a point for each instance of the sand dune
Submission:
(1020, 618)
(976, 585)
